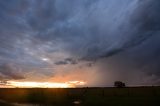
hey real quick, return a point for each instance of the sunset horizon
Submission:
(96, 42)
(79, 52)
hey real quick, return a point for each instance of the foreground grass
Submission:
(135, 96)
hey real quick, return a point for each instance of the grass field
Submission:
(131, 96)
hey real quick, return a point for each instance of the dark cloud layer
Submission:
(66, 61)
(117, 36)
(10, 71)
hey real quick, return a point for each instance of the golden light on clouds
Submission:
(69, 84)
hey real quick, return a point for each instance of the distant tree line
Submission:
(119, 84)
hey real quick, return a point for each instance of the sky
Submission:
(95, 41)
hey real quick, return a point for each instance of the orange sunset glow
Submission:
(69, 84)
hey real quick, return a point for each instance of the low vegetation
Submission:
(128, 96)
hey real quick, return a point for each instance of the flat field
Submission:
(129, 96)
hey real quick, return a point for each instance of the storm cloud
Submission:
(112, 36)
(10, 71)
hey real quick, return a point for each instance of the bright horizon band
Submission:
(69, 84)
